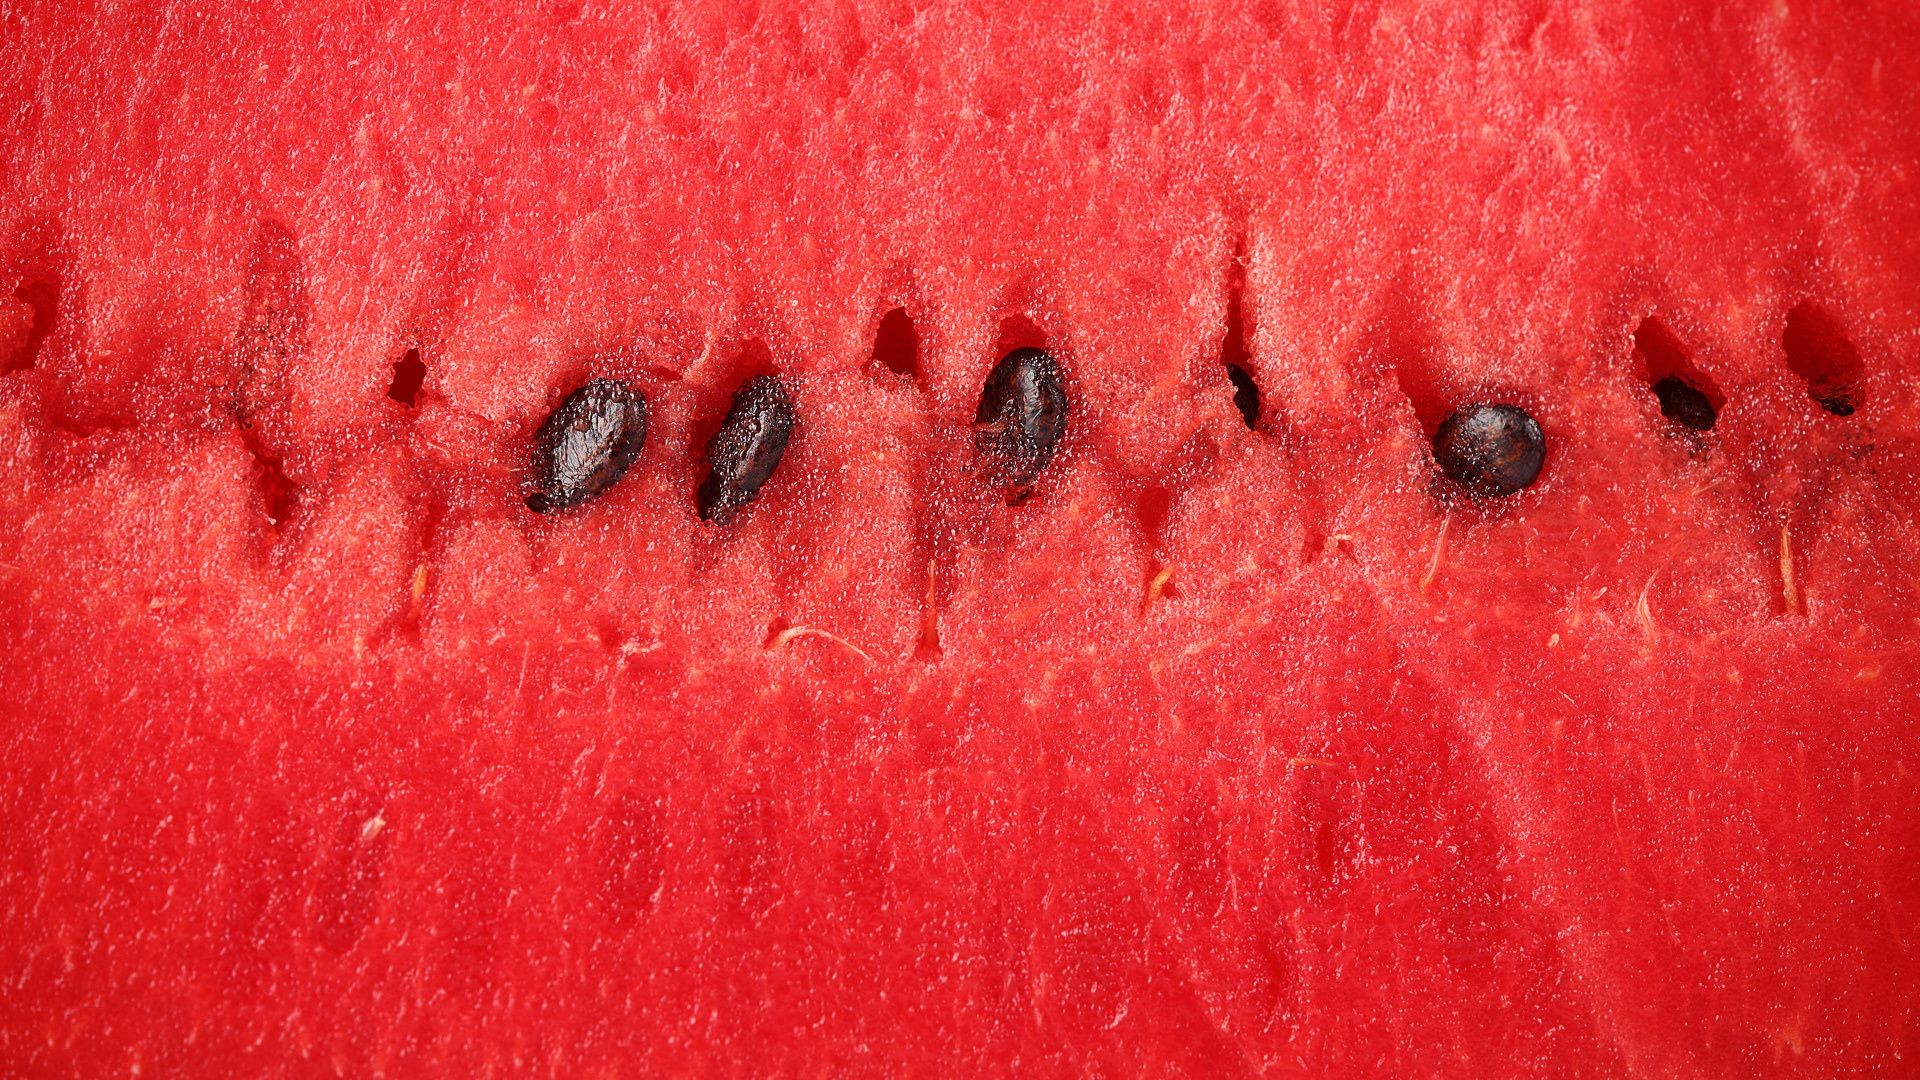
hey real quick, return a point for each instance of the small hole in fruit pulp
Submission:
(1688, 396)
(896, 345)
(1155, 504)
(409, 373)
(277, 492)
(1233, 349)
(1684, 404)
(1019, 332)
(42, 297)
(1819, 351)
(1246, 396)
(927, 649)
(278, 495)
(1417, 367)
(751, 359)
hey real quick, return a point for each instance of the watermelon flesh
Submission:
(1233, 750)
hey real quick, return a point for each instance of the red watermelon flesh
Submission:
(1231, 751)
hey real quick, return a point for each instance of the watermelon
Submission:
(1433, 594)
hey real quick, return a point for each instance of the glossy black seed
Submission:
(586, 445)
(1022, 415)
(746, 449)
(1491, 450)
(1684, 404)
(1837, 404)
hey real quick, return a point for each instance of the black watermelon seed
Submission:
(746, 449)
(1491, 450)
(586, 445)
(1684, 404)
(1022, 415)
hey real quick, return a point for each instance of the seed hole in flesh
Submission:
(409, 374)
(745, 451)
(42, 297)
(1419, 365)
(1234, 352)
(1684, 405)
(1156, 503)
(278, 495)
(1688, 396)
(586, 445)
(1492, 451)
(1246, 396)
(896, 345)
(1022, 416)
(1820, 352)
(1017, 331)
(928, 647)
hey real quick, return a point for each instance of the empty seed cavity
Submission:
(41, 297)
(1490, 450)
(586, 445)
(1022, 416)
(409, 374)
(1688, 396)
(1820, 352)
(1234, 353)
(745, 451)
(1684, 404)
(896, 345)
(1246, 395)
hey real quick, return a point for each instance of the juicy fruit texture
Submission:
(1231, 751)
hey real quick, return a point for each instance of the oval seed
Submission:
(1491, 450)
(586, 445)
(746, 449)
(1022, 415)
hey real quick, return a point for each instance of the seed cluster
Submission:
(594, 436)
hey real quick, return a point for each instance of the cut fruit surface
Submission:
(1241, 745)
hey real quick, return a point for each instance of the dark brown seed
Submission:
(1022, 415)
(1684, 404)
(1490, 450)
(586, 445)
(1820, 351)
(746, 449)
